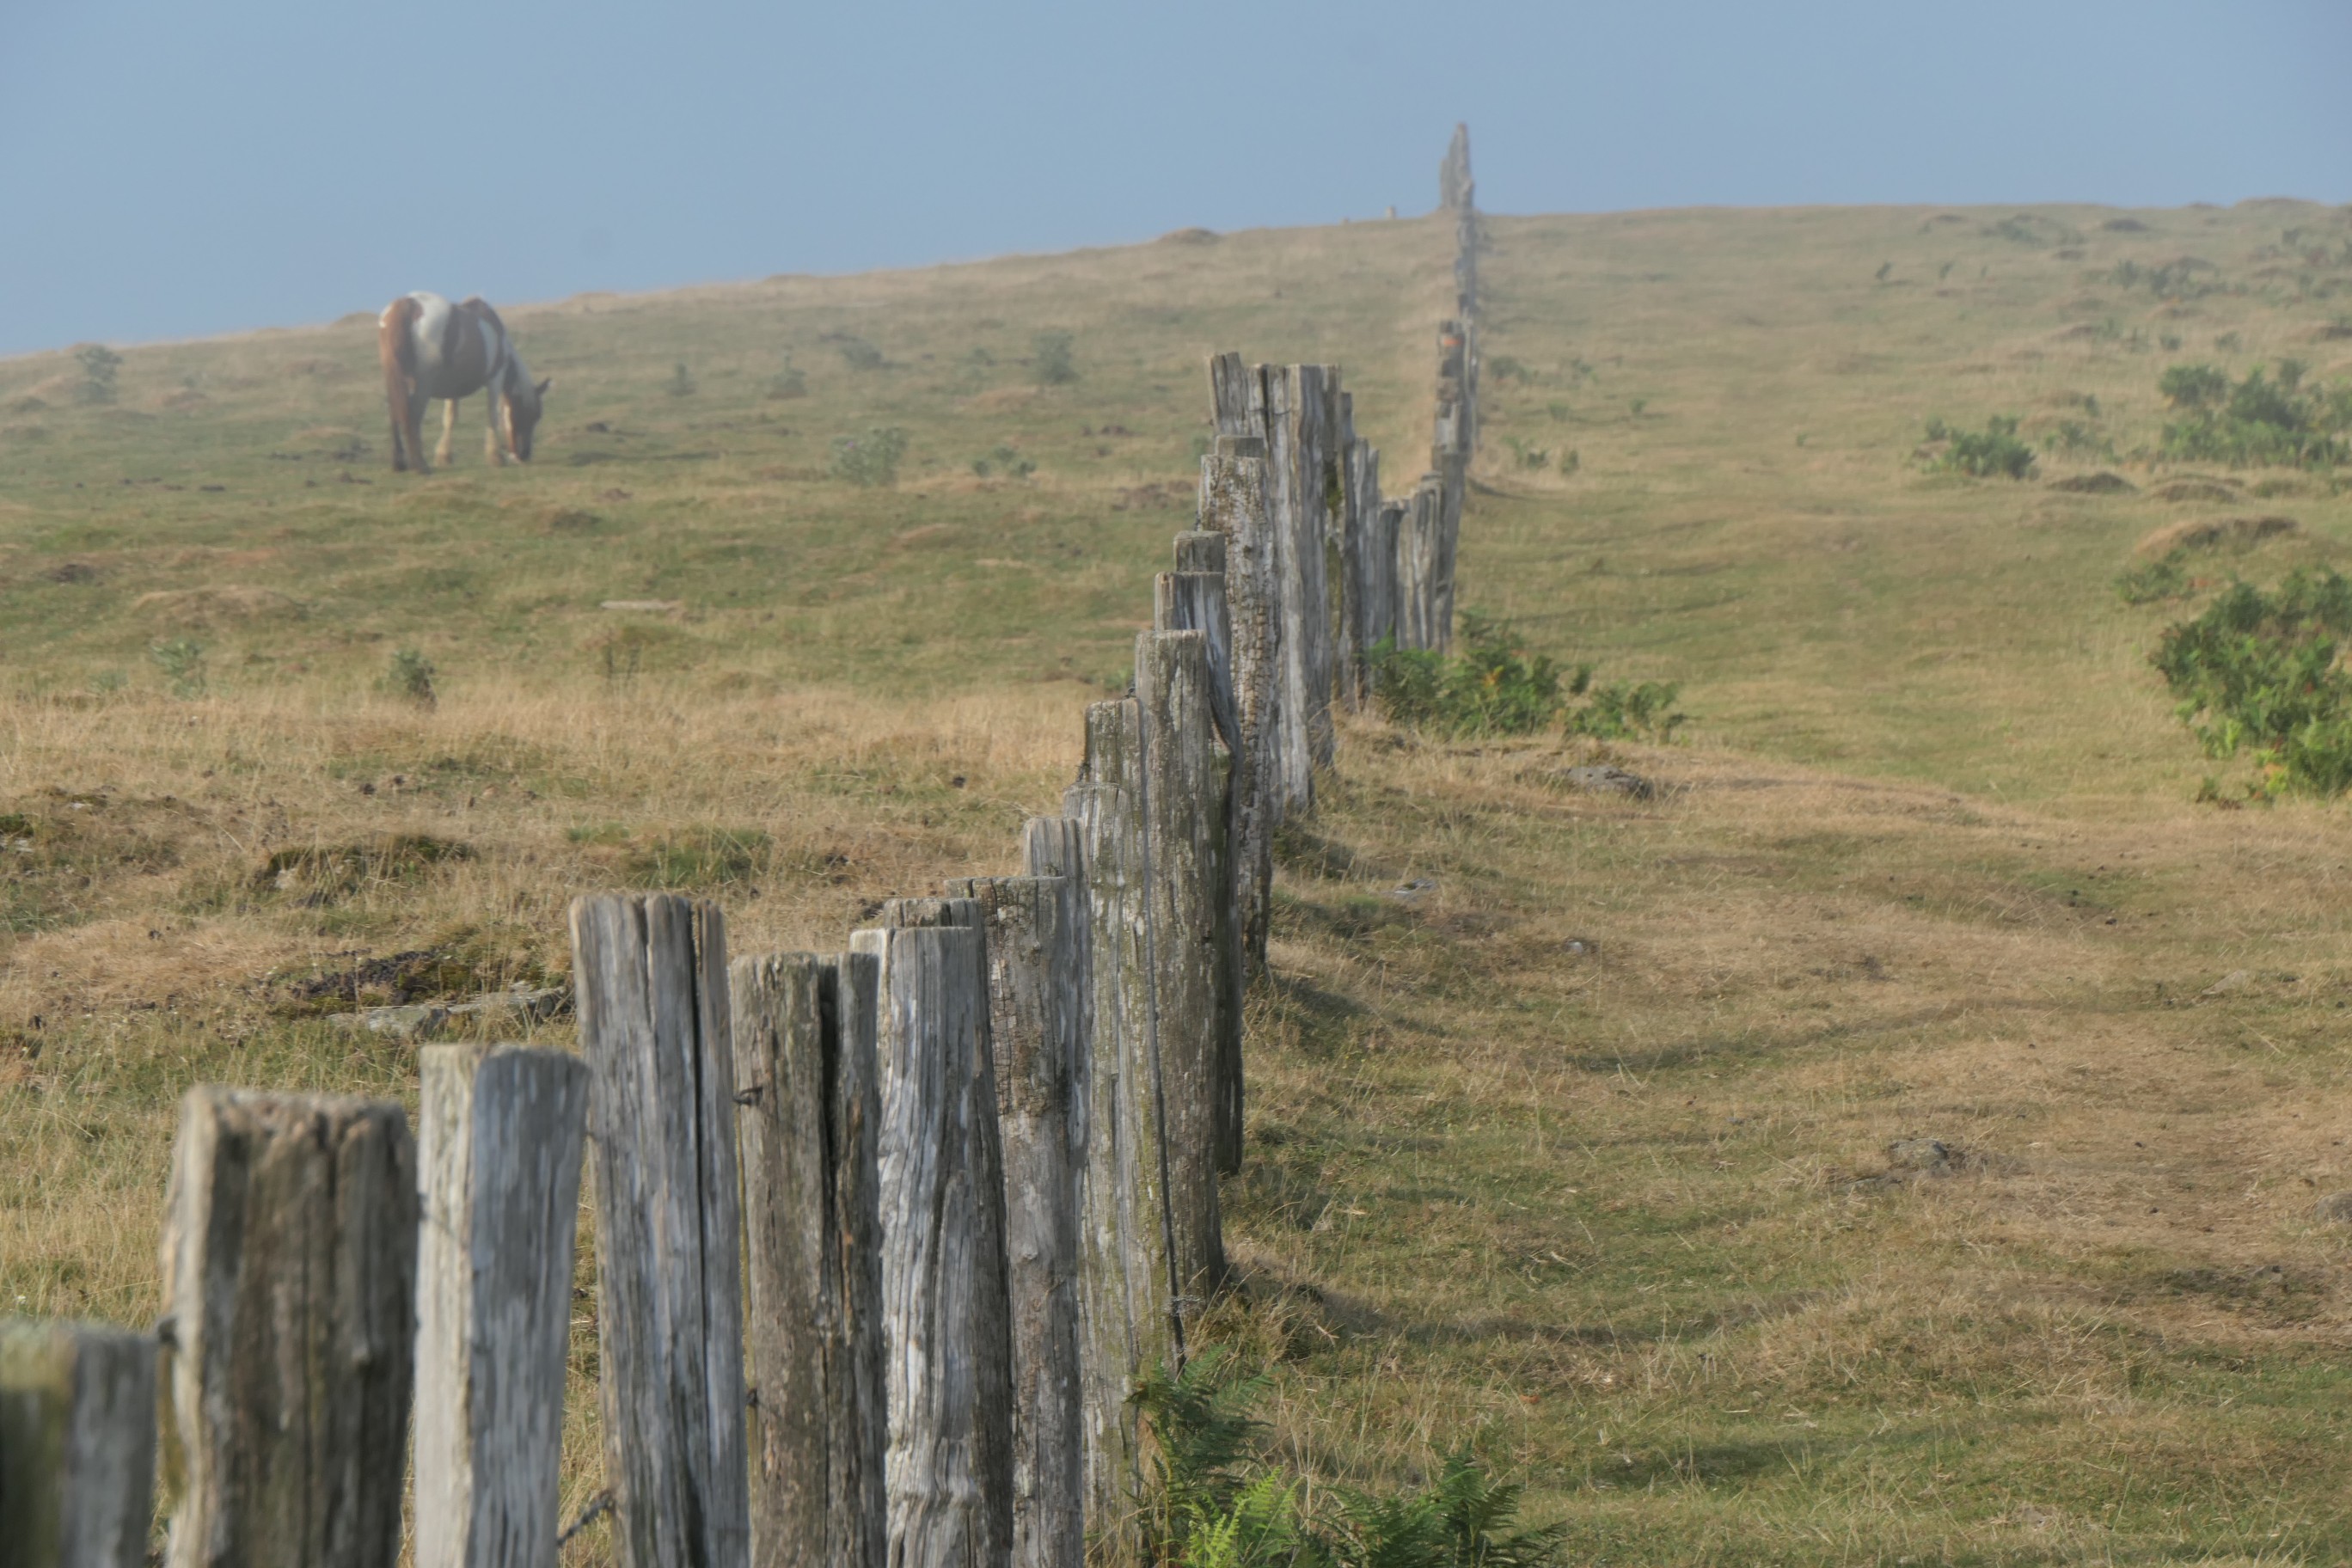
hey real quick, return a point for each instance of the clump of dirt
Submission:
(2212, 533)
(2102, 483)
(469, 960)
(569, 519)
(321, 873)
(2194, 490)
(227, 601)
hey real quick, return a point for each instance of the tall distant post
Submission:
(1453, 183)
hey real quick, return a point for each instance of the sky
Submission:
(173, 171)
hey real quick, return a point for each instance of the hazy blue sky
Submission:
(169, 169)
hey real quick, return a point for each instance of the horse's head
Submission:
(524, 403)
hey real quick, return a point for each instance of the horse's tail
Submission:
(396, 347)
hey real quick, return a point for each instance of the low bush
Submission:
(1496, 687)
(1992, 452)
(871, 460)
(2256, 673)
(411, 677)
(98, 364)
(1050, 357)
(681, 381)
(2260, 419)
(1217, 1504)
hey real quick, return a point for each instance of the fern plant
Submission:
(1216, 1504)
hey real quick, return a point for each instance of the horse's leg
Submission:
(448, 431)
(416, 420)
(493, 452)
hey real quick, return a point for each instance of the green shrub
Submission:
(183, 664)
(681, 381)
(2260, 419)
(1495, 687)
(1216, 1504)
(98, 364)
(2257, 673)
(790, 382)
(2153, 580)
(1050, 357)
(1990, 453)
(411, 676)
(858, 353)
(1624, 710)
(870, 459)
(1007, 458)
(2177, 279)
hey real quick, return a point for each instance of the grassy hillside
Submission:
(1581, 1152)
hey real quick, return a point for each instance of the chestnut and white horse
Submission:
(431, 348)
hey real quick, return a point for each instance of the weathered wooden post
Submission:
(1417, 564)
(1233, 502)
(1356, 464)
(811, 1098)
(948, 1470)
(1454, 175)
(1127, 1319)
(1034, 1012)
(650, 971)
(77, 1445)
(1193, 598)
(1193, 993)
(1380, 547)
(1194, 601)
(290, 1278)
(1234, 394)
(498, 1144)
(1452, 482)
(1301, 426)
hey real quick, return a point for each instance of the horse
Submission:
(431, 348)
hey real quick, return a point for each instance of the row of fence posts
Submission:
(885, 1238)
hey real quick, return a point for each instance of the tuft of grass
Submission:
(410, 676)
(182, 661)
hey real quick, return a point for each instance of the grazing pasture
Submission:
(1899, 1137)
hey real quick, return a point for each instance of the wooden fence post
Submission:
(1359, 474)
(1233, 502)
(650, 971)
(1417, 547)
(1194, 989)
(949, 1388)
(1126, 1311)
(993, 1343)
(1452, 476)
(498, 1144)
(1234, 394)
(1380, 547)
(1195, 602)
(1033, 981)
(818, 1426)
(289, 1246)
(1313, 424)
(77, 1446)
